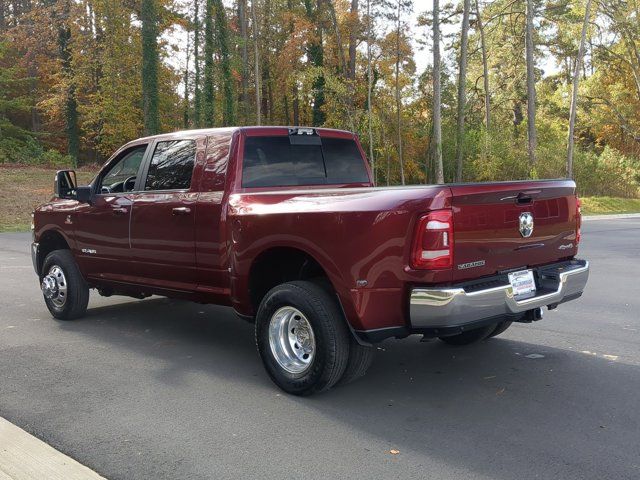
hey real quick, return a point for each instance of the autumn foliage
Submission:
(78, 78)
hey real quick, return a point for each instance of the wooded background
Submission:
(508, 89)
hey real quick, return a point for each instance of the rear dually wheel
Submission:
(302, 338)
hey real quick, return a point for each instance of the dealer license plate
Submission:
(522, 283)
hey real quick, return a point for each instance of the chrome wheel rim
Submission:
(54, 286)
(291, 339)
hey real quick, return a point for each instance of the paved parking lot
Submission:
(167, 389)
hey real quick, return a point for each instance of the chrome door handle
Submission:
(119, 211)
(181, 211)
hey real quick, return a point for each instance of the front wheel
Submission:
(65, 291)
(302, 338)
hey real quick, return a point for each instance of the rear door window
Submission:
(271, 161)
(171, 165)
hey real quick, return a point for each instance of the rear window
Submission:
(274, 161)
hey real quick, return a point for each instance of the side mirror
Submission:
(65, 184)
(66, 187)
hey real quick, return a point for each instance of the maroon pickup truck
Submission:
(285, 226)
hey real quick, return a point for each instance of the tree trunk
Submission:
(256, 55)
(462, 98)
(316, 57)
(296, 106)
(437, 120)
(294, 88)
(244, 82)
(149, 19)
(353, 39)
(398, 99)
(3, 23)
(485, 77)
(383, 131)
(209, 105)
(531, 86)
(369, 91)
(267, 83)
(574, 91)
(517, 118)
(197, 97)
(185, 114)
(340, 45)
(269, 97)
(71, 105)
(222, 41)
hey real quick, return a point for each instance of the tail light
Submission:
(578, 220)
(433, 241)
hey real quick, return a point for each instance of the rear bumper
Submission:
(454, 307)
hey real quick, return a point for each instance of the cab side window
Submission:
(171, 165)
(121, 176)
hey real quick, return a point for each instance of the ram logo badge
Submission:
(526, 224)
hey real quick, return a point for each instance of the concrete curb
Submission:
(24, 457)
(610, 217)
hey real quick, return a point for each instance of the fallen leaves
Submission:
(603, 355)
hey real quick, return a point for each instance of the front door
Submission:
(162, 218)
(102, 227)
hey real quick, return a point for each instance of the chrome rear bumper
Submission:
(457, 306)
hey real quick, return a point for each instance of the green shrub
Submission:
(504, 158)
(30, 152)
(609, 174)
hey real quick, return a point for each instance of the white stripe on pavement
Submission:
(613, 216)
(24, 457)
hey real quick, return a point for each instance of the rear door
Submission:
(492, 226)
(162, 218)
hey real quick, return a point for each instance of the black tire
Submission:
(470, 336)
(500, 328)
(77, 290)
(331, 352)
(360, 359)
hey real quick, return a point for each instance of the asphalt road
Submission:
(165, 389)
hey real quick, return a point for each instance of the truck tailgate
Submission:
(487, 226)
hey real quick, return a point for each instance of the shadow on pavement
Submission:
(493, 409)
